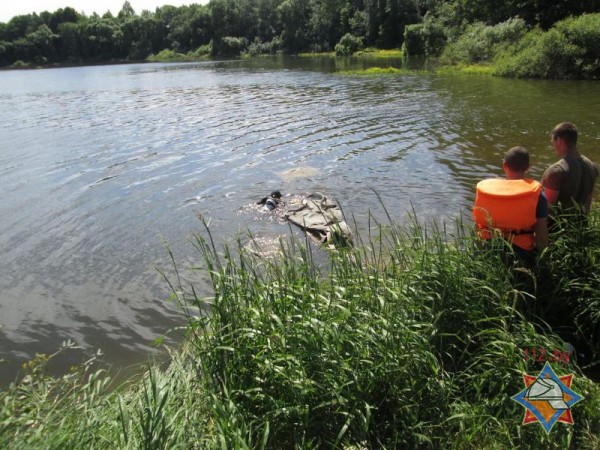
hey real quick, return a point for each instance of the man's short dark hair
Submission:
(517, 159)
(566, 131)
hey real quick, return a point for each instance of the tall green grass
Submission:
(414, 338)
(406, 341)
(570, 289)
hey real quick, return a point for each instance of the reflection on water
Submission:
(98, 164)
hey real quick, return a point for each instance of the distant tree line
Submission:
(228, 27)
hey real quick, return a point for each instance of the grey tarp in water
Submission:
(322, 219)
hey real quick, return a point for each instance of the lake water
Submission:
(99, 165)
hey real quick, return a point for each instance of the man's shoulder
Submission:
(559, 167)
(591, 164)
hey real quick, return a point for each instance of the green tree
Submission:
(534, 12)
(386, 20)
(69, 48)
(60, 16)
(21, 26)
(188, 28)
(200, 23)
(294, 25)
(44, 43)
(38, 46)
(167, 13)
(248, 18)
(353, 18)
(225, 18)
(325, 25)
(372, 21)
(6, 53)
(142, 36)
(126, 12)
(268, 24)
(101, 39)
(293, 15)
(233, 19)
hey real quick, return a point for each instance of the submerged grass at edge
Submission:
(413, 339)
(444, 70)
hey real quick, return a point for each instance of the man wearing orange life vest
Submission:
(514, 208)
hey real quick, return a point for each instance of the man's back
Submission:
(573, 177)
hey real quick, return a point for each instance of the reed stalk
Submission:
(413, 338)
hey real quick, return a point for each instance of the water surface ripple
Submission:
(99, 164)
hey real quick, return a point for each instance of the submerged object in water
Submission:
(322, 219)
(272, 201)
(298, 172)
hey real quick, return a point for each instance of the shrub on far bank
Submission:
(539, 55)
(229, 46)
(480, 43)
(167, 55)
(584, 33)
(202, 51)
(20, 64)
(264, 48)
(424, 39)
(571, 49)
(348, 45)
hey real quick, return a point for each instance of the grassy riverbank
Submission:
(413, 339)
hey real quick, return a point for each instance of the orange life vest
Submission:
(508, 206)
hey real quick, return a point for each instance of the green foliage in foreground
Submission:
(414, 339)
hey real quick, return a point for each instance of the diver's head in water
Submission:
(271, 201)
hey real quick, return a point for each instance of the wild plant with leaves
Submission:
(413, 338)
